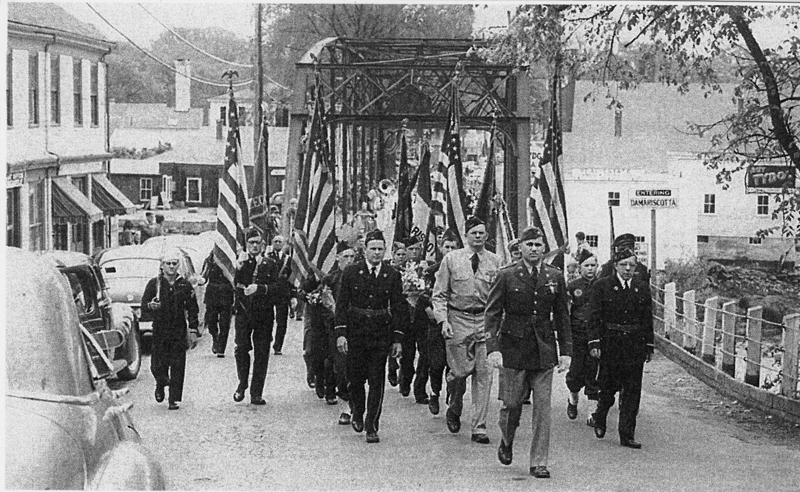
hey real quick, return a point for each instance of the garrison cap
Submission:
(584, 255)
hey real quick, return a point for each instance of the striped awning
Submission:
(108, 197)
(69, 202)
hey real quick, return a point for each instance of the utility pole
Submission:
(259, 90)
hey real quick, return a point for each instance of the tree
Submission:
(132, 76)
(294, 28)
(678, 45)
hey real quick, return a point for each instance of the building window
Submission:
(762, 207)
(639, 239)
(145, 189)
(223, 115)
(80, 183)
(77, 91)
(61, 236)
(592, 241)
(36, 215)
(754, 240)
(710, 204)
(33, 88)
(613, 199)
(9, 90)
(12, 218)
(702, 239)
(95, 100)
(194, 190)
(55, 90)
(98, 235)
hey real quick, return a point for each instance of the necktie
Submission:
(627, 286)
(534, 273)
(374, 271)
(475, 260)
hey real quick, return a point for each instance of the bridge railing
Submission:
(744, 356)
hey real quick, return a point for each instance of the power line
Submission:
(235, 64)
(160, 62)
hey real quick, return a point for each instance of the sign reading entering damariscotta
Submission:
(654, 199)
(770, 178)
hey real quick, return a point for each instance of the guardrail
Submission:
(730, 351)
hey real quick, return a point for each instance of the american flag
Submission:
(232, 209)
(547, 204)
(315, 228)
(424, 218)
(450, 162)
(259, 202)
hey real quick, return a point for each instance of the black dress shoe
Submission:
(572, 411)
(599, 430)
(311, 381)
(393, 378)
(433, 404)
(357, 423)
(159, 393)
(258, 401)
(540, 472)
(480, 438)
(630, 443)
(331, 400)
(220, 355)
(453, 422)
(422, 400)
(504, 453)
(372, 437)
(405, 389)
(173, 405)
(527, 400)
(344, 418)
(238, 395)
(320, 391)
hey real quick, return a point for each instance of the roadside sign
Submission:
(660, 198)
(14, 180)
(769, 179)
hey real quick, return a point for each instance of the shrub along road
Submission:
(693, 438)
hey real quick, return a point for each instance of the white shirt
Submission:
(374, 268)
(626, 284)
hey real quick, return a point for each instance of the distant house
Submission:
(57, 190)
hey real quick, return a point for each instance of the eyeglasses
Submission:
(171, 263)
(254, 241)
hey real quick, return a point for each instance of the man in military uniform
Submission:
(255, 281)
(621, 336)
(583, 369)
(371, 312)
(624, 241)
(459, 299)
(219, 305)
(526, 311)
(170, 299)
(282, 295)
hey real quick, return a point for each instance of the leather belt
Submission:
(370, 313)
(622, 328)
(467, 311)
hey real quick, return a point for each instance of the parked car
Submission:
(127, 269)
(65, 429)
(97, 311)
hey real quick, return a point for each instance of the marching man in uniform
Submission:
(371, 312)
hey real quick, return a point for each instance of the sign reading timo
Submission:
(654, 199)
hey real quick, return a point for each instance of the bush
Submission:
(688, 274)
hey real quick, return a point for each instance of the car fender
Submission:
(129, 466)
(122, 318)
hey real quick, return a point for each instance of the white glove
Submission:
(250, 289)
(495, 359)
(564, 362)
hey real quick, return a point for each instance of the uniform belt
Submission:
(622, 328)
(370, 312)
(468, 311)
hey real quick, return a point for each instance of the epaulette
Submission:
(510, 265)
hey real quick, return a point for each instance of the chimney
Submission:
(183, 96)
(219, 129)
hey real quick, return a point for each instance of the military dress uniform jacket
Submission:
(219, 291)
(178, 309)
(524, 316)
(284, 290)
(266, 279)
(621, 320)
(371, 312)
(579, 292)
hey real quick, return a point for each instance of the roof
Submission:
(142, 167)
(198, 146)
(52, 16)
(153, 115)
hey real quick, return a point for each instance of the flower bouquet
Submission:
(414, 283)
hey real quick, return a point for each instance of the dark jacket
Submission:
(219, 291)
(386, 307)
(266, 278)
(178, 305)
(283, 291)
(631, 309)
(518, 317)
(640, 272)
(579, 294)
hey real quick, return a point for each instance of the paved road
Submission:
(294, 442)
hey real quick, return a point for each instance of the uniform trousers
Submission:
(253, 332)
(335, 368)
(583, 369)
(168, 365)
(466, 356)
(517, 384)
(627, 380)
(367, 365)
(281, 321)
(218, 319)
(437, 358)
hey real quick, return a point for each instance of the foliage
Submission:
(132, 153)
(688, 274)
(294, 28)
(132, 76)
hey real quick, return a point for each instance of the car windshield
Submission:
(131, 268)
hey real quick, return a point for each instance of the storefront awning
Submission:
(69, 202)
(108, 197)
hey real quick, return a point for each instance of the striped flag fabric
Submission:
(450, 160)
(547, 205)
(424, 218)
(232, 209)
(404, 210)
(259, 201)
(315, 229)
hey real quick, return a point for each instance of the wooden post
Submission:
(729, 338)
(653, 245)
(690, 322)
(709, 325)
(791, 337)
(752, 374)
(670, 312)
